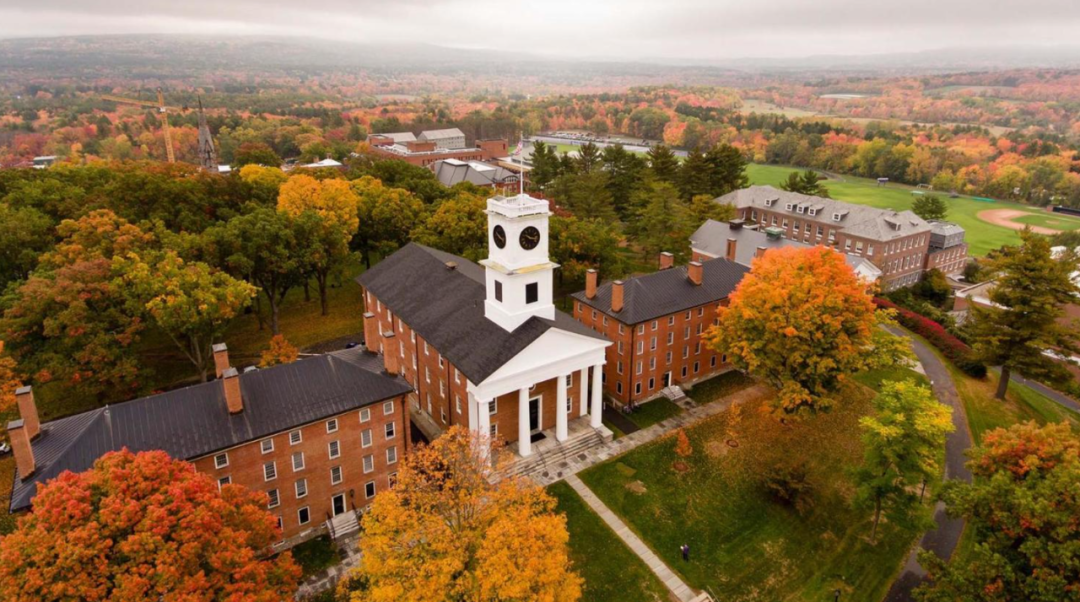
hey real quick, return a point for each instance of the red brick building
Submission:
(483, 345)
(656, 322)
(425, 153)
(320, 437)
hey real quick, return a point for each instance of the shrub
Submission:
(789, 484)
(955, 350)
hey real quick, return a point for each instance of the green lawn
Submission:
(874, 378)
(744, 545)
(719, 387)
(611, 571)
(655, 411)
(982, 237)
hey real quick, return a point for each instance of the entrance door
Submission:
(534, 415)
(338, 502)
(667, 379)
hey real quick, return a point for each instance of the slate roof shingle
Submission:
(668, 291)
(194, 421)
(446, 307)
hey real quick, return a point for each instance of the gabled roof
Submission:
(441, 134)
(857, 220)
(194, 421)
(711, 238)
(668, 291)
(399, 137)
(446, 307)
(454, 171)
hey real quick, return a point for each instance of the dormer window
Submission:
(812, 212)
(836, 217)
(801, 209)
(768, 202)
(789, 206)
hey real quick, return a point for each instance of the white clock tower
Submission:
(519, 273)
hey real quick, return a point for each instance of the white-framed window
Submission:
(620, 348)
(274, 500)
(637, 388)
(223, 481)
(269, 471)
(390, 430)
(671, 320)
(304, 515)
(493, 407)
(266, 445)
(639, 366)
(369, 489)
(335, 475)
(652, 364)
(641, 329)
(652, 383)
(221, 460)
(457, 403)
(670, 338)
(391, 479)
(332, 425)
(295, 437)
(655, 324)
(365, 414)
(457, 376)
(334, 447)
(652, 344)
(298, 461)
(442, 414)
(365, 438)
(640, 347)
(618, 367)
(388, 407)
(300, 487)
(369, 463)
(700, 311)
(618, 387)
(391, 455)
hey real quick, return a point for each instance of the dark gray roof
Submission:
(194, 421)
(711, 238)
(668, 291)
(455, 171)
(446, 308)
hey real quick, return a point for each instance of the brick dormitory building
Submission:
(320, 436)
(657, 322)
(901, 244)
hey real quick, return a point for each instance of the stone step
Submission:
(552, 458)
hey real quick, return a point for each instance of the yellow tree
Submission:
(802, 320)
(280, 351)
(328, 209)
(447, 533)
(9, 381)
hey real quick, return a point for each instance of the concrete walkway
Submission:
(944, 537)
(678, 589)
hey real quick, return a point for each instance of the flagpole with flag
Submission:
(521, 168)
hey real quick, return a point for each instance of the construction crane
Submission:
(162, 109)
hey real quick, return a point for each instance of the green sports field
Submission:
(982, 237)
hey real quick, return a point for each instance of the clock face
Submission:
(530, 237)
(500, 236)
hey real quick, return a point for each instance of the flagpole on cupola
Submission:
(521, 164)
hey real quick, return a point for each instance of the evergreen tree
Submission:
(546, 165)
(930, 207)
(807, 182)
(1023, 321)
(665, 222)
(589, 158)
(693, 176)
(625, 172)
(663, 163)
(727, 171)
(586, 195)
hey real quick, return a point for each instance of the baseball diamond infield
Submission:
(1004, 218)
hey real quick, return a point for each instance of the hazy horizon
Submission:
(610, 29)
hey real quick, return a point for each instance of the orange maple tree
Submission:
(280, 351)
(9, 381)
(802, 320)
(445, 532)
(143, 526)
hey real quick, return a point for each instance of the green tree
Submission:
(625, 171)
(263, 248)
(663, 163)
(930, 207)
(589, 158)
(806, 182)
(586, 195)
(387, 216)
(665, 223)
(580, 244)
(694, 176)
(458, 226)
(903, 440)
(727, 170)
(545, 165)
(190, 302)
(704, 207)
(1025, 317)
(256, 153)
(25, 233)
(1022, 506)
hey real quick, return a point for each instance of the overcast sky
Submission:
(705, 29)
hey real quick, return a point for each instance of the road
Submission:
(941, 540)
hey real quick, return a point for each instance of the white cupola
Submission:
(519, 273)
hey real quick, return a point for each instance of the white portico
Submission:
(560, 372)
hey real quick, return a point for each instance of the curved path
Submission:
(941, 540)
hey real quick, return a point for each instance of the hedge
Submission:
(951, 347)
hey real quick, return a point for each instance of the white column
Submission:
(597, 397)
(561, 411)
(483, 424)
(524, 443)
(584, 397)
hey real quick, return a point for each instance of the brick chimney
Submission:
(666, 260)
(391, 359)
(24, 397)
(591, 281)
(21, 448)
(221, 358)
(731, 245)
(230, 380)
(760, 252)
(693, 272)
(371, 332)
(617, 296)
